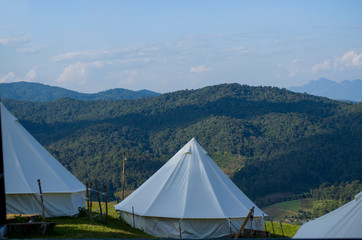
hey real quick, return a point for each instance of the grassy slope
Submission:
(287, 230)
(67, 227)
(288, 208)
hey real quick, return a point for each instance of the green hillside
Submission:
(269, 140)
(37, 92)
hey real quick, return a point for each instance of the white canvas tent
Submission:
(344, 222)
(189, 197)
(25, 161)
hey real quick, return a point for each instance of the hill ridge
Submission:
(38, 92)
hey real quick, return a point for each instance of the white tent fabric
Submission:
(25, 161)
(191, 196)
(344, 222)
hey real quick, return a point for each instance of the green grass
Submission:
(289, 230)
(82, 227)
(289, 208)
(293, 206)
(306, 204)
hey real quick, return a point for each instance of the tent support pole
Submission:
(90, 197)
(134, 225)
(179, 228)
(99, 201)
(87, 194)
(41, 200)
(245, 221)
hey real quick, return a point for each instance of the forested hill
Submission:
(37, 92)
(268, 140)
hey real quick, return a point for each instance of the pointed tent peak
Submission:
(193, 146)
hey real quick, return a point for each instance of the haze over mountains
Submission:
(37, 92)
(345, 90)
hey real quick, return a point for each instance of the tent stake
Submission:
(245, 221)
(99, 200)
(41, 200)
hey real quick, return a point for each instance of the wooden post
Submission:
(281, 227)
(245, 222)
(272, 225)
(90, 197)
(41, 200)
(134, 224)
(124, 164)
(87, 194)
(105, 198)
(99, 201)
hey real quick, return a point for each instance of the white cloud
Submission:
(294, 67)
(7, 77)
(78, 72)
(14, 41)
(199, 69)
(351, 59)
(31, 75)
(322, 66)
(97, 54)
(30, 50)
(239, 49)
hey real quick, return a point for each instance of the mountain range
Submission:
(345, 90)
(270, 141)
(37, 92)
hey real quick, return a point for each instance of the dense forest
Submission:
(37, 92)
(268, 140)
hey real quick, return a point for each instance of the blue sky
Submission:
(164, 46)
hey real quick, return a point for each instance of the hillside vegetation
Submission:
(268, 140)
(37, 92)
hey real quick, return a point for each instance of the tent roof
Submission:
(344, 222)
(189, 185)
(25, 161)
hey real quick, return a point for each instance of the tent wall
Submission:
(190, 228)
(55, 204)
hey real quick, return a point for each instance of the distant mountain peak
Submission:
(345, 90)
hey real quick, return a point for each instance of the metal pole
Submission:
(87, 194)
(124, 163)
(179, 228)
(3, 227)
(42, 201)
(99, 200)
